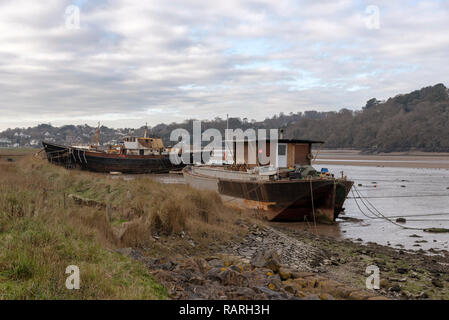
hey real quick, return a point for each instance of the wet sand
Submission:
(394, 159)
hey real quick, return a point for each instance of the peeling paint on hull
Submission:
(282, 200)
(104, 162)
(128, 164)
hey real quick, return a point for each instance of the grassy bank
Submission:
(43, 230)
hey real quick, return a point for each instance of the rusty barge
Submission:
(287, 189)
(133, 156)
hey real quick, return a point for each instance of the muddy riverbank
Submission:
(188, 240)
(404, 274)
(329, 262)
(274, 262)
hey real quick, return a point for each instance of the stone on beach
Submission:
(266, 259)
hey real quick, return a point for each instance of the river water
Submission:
(419, 195)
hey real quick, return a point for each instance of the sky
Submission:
(129, 62)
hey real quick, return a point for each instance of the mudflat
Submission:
(411, 159)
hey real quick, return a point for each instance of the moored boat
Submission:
(134, 155)
(288, 190)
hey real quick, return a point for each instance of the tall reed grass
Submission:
(43, 230)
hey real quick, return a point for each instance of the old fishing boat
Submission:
(287, 189)
(134, 155)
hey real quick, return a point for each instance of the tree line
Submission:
(418, 120)
(415, 121)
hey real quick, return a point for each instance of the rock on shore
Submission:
(292, 252)
(267, 264)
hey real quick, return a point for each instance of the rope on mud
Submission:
(360, 209)
(440, 220)
(377, 214)
(403, 196)
(313, 206)
(421, 215)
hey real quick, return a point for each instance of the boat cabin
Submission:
(288, 153)
(142, 146)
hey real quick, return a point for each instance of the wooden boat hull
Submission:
(104, 162)
(282, 200)
(128, 164)
(57, 154)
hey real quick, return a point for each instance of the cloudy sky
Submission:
(128, 62)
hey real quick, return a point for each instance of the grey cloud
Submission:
(167, 61)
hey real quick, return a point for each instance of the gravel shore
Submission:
(280, 263)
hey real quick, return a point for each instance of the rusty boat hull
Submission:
(133, 164)
(95, 161)
(277, 200)
(57, 154)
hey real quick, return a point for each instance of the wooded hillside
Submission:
(415, 121)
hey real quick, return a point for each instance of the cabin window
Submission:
(141, 152)
(282, 149)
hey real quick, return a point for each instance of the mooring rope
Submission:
(421, 215)
(377, 214)
(313, 206)
(406, 196)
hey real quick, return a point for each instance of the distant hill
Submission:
(415, 121)
(70, 134)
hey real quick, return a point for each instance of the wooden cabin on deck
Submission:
(142, 146)
(288, 152)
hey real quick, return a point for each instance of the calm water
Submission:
(419, 195)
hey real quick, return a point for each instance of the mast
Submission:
(97, 136)
(96, 139)
(226, 139)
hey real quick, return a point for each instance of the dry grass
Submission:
(154, 208)
(42, 230)
(17, 151)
